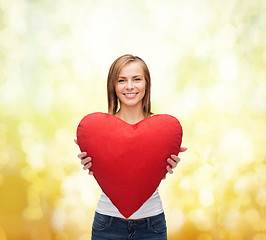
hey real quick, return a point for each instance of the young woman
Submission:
(128, 88)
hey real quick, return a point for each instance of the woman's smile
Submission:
(130, 95)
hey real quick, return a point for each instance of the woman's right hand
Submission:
(85, 161)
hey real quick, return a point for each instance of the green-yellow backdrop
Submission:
(208, 66)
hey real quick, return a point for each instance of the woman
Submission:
(128, 85)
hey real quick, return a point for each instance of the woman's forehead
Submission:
(132, 68)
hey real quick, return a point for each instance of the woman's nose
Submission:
(129, 85)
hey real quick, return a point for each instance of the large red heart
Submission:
(129, 160)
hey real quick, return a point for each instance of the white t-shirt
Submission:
(153, 206)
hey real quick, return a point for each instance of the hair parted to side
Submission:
(112, 79)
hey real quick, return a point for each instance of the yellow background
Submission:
(207, 61)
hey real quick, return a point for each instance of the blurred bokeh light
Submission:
(208, 66)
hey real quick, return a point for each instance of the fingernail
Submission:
(173, 155)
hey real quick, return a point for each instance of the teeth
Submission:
(130, 94)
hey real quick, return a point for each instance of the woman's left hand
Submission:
(174, 160)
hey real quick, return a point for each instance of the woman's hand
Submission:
(85, 161)
(174, 160)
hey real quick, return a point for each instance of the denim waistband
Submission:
(129, 223)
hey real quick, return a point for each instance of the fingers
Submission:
(82, 155)
(169, 169)
(172, 165)
(84, 161)
(175, 158)
(173, 161)
(87, 166)
(183, 149)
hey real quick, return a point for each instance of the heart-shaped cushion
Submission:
(129, 160)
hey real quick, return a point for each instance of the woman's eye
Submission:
(121, 80)
(137, 79)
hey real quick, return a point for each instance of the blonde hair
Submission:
(113, 74)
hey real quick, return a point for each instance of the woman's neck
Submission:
(130, 115)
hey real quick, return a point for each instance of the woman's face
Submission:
(131, 84)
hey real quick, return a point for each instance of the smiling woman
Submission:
(128, 75)
(129, 85)
(54, 60)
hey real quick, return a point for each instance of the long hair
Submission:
(112, 79)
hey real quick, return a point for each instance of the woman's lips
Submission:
(130, 95)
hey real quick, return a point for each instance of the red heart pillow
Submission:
(129, 161)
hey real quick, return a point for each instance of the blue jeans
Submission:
(112, 228)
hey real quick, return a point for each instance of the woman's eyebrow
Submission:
(133, 76)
